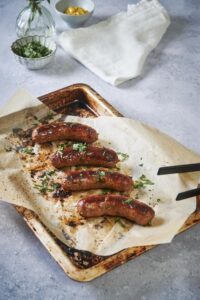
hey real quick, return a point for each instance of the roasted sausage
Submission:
(64, 131)
(93, 156)
(115, 205)
(96, 179)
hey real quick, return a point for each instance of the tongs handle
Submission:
(179, 169)
(188, 194)
(182, 169)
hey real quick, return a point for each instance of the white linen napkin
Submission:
(116, 49)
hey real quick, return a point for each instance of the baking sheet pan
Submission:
(82, 100)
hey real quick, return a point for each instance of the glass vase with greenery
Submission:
(35, 19)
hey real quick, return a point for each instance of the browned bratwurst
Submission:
(96, 179)
(64, 131)
(115, 205)
(92, 156)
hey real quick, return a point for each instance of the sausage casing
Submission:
(64, 131)
(96, 179)
(92, 156)
(115, 205)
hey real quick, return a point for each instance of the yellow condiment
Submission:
(75, 11)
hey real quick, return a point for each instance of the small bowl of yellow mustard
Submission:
(75, 12)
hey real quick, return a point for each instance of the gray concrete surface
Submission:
(165, 96)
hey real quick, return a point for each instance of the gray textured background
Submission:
(165, 96)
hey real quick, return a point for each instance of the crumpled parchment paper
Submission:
(148, 149)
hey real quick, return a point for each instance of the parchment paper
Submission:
(148, 149)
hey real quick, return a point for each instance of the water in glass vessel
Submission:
(35, 19)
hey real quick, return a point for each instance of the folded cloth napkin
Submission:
(116, 49)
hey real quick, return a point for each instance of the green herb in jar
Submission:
(32, 49)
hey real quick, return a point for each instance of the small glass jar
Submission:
(35, 19)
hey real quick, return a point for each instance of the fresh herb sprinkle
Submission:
(128, 201)
(50, 115)
(43, 187)
(119, 221)
(142, 182)
(61, 147)
(55, 186)
(81, 147)
(106, 191)
(122, 156)
(46, 184)
(101, 175)
(27, 150)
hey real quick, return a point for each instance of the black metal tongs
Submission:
(182, 169)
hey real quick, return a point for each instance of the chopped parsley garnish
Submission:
(119, 220)
(36, 121)
(158, 200)
(101, 175)
(106, 191)
(55, 186)
(142, 182)
(128, 201)
(61, 147)
(27, 150)
(45, 184)
(50, 173)
(50, 115)
(43, 187)
(45, 175)
(122, 156)
(32, 49)
(43, 120)
(141, 165)
(81, 147)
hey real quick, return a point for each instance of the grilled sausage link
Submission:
(115, 205)
(64, 131)
(96, 179)
(92, 156)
